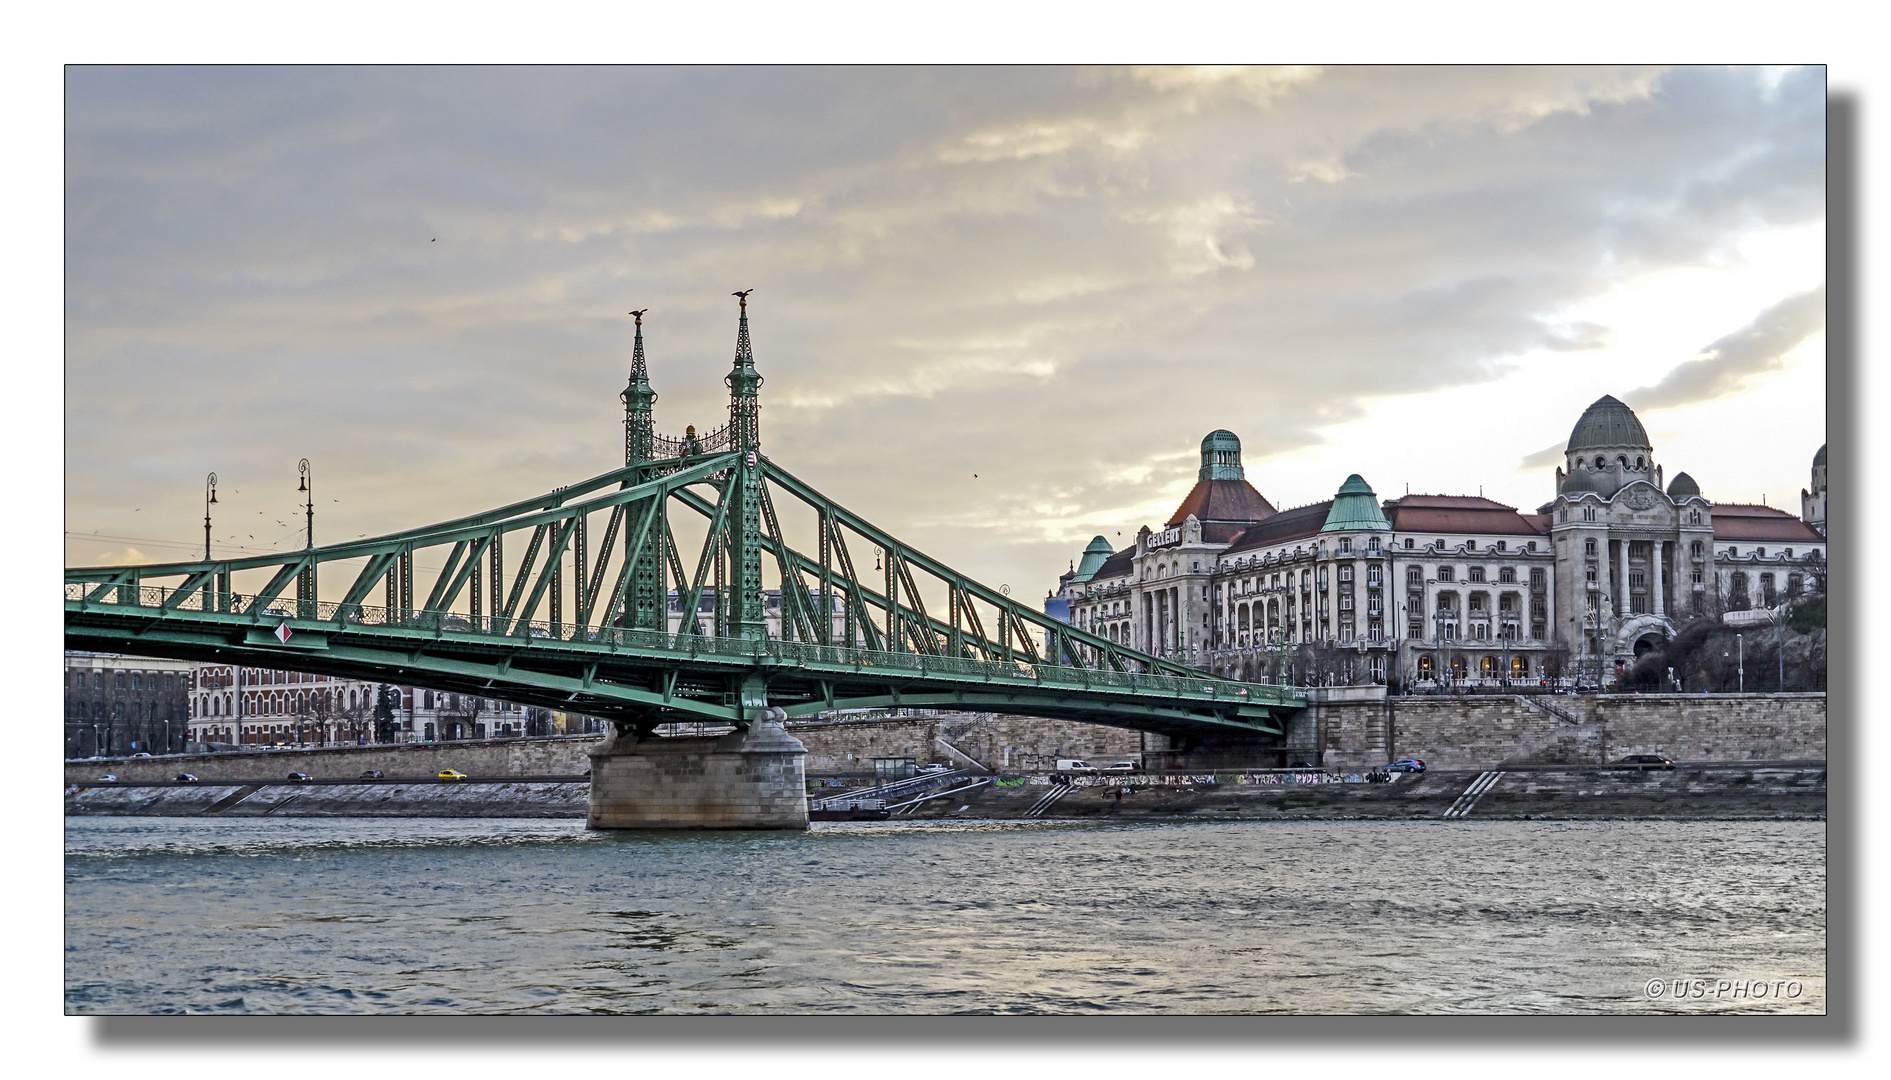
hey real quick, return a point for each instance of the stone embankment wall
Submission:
(1487, 732)
(1000, 743)
(1472, 732)
(455, 800)
(558, 755)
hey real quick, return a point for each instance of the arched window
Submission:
(1487, 667)
(1601, 462)
(1623, 460)
(1640, 463)
(1424, 667)
(1519, 667)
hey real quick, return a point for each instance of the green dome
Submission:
(1221, 456)
(1094, 557)
(1355, 509)
(1608, 424)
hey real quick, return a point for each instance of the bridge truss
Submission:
(700, 582)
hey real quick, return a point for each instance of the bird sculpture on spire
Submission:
(743, 296)
(638, 315)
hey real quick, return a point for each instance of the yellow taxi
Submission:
(451, 774)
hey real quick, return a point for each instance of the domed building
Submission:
(1634, 559)
(1424, 590)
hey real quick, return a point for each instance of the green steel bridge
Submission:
(564, 601)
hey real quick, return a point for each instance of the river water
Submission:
(463, 916)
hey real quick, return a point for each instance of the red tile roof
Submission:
(1744, 521)
(1301, 521)
(1462, 514)
(1222, 500)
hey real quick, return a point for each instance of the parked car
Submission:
(451, 774)
(1644, 762)
(300, 777)
(371, 774)
(455, 622)
(932, 767)
(1406, 765)
(1123, 767)
(183, 778)
(141, 754)
(108, 778)
(1076, 766)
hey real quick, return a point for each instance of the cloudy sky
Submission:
(996, 308)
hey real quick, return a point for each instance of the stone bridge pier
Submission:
(751, 778)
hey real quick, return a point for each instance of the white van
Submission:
(1075, 765)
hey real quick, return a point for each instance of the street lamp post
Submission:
(1739, 641)
(306, 484)
(210, 499)
(1782, 647)
(1505, 674)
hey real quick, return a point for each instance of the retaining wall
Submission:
(996, 741)
(557, 755)
(1472, 732)
(1485, 732)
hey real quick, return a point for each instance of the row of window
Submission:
(121, 680)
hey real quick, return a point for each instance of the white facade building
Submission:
(1426, 589)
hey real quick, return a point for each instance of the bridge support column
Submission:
(751, 779)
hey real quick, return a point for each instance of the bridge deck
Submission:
(612, 672)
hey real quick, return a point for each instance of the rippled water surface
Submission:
(423, 916)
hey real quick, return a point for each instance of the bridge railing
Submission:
(347, 616)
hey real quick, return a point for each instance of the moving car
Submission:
(451, 774)
(141, 754)
(300, 777)
(1644, 762)
(933, 767)
(183, 778)
(371, 774)
(108, 778)
(1123, 767)
(1077, 766)
(1406, 765)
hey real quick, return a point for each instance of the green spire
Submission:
(745, 420)
(1355, 509)
(639, 399)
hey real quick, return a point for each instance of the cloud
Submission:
(1550, 456)
(1733, 361)
(1056, 278)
